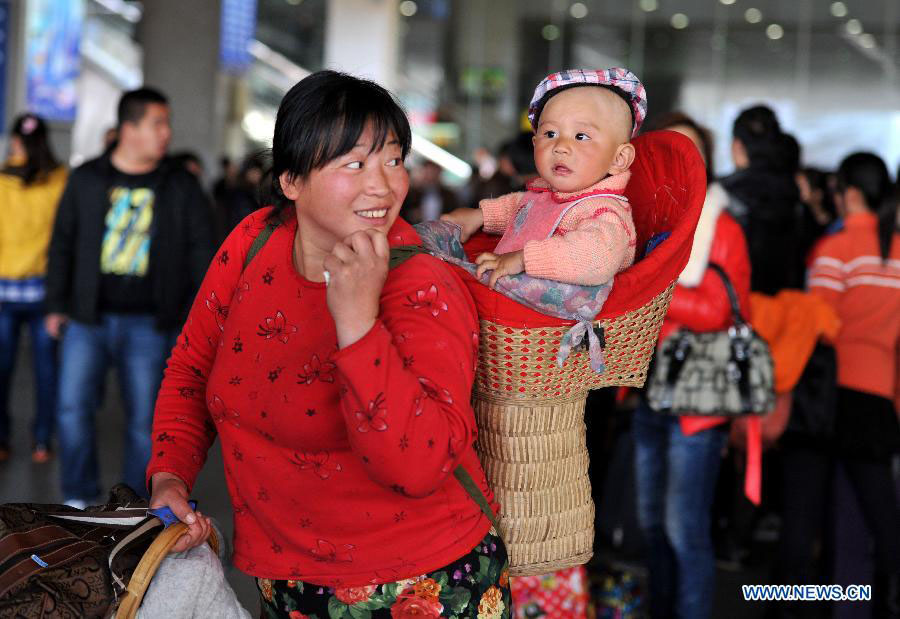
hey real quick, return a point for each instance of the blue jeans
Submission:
(676, 478)
(132, 343)
(12, 316)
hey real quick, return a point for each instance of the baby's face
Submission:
(581, 135)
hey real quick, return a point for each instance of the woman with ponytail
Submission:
(31, 182)
(858, 272)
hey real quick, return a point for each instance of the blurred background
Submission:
(464, 69)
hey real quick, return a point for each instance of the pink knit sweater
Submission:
(594, 241)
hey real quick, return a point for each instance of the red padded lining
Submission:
(666, 193)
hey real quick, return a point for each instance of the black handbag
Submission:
(722, 373)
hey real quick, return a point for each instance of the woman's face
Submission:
(16, 147)
(689, 132)
(356, 191)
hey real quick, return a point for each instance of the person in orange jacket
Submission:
(857, 271)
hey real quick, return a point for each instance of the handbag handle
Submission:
(149, 563)
(739, 335)
(736, 316)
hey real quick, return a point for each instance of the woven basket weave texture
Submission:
(520, 363)
(532, 436)
(536, 460)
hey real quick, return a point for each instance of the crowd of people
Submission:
(128, 261)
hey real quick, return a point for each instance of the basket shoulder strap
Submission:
(399, 253)
(402, 253)
(260, 240)
(462, 475)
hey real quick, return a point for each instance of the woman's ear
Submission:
(623, 158)
(291, 185)
(739, 154)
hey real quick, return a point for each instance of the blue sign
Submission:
(53, 57)
(238, 30)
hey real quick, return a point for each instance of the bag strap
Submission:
(399, 255)
(402, 253)
(739, 335)
(32, 539)
(732, 294)
(27, 566)
(469, 485)
(260, 240)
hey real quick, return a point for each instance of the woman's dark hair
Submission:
(868, 173)
(674, 119)
(758, 130)
(322, 117)
(39, 158)
(818, 179)
(787, 154)
(520, 151)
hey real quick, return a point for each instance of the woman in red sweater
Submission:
(338, 388)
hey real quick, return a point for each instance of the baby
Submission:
(573, 224)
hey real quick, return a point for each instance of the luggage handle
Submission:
(166, 514)
(149, 563)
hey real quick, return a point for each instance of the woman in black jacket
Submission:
(765, 199)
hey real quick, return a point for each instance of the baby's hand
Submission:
(469, 219)
(504, 264)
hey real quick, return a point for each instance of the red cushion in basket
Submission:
(666, 192)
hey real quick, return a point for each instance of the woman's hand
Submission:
(503, 264)
(54, 324)
(470, 220)
(357, 268)
(170, 491)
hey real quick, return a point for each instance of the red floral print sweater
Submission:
(339, 463)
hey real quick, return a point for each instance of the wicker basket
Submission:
(521, 362)
(530, 414)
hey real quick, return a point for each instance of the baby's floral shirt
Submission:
(339, 463)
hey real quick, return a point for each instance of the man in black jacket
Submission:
(130, 246)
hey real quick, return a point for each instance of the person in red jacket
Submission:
(340, 390)
(675, 470)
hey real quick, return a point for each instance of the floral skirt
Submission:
(474, 586)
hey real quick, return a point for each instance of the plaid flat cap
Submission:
(622, 81)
